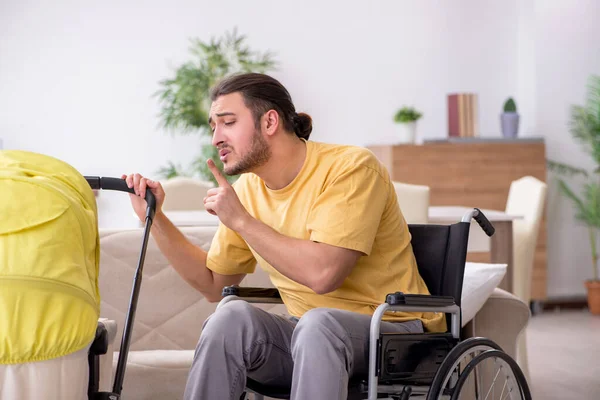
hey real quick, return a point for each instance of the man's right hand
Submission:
(140, 185)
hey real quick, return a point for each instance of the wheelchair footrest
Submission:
(412, 358)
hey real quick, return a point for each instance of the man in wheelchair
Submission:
(323, 220)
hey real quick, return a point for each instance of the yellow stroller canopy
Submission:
(49, 258)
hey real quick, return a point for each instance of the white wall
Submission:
(567, 48)
(76, 78)
(526, 77)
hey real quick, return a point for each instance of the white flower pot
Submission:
(407, 132)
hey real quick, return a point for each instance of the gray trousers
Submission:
(315, 356)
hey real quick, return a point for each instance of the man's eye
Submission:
(229, 123)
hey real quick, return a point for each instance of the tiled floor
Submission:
(564, 355)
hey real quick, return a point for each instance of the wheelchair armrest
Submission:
(253, 294)
(421, 300)
(422, 303)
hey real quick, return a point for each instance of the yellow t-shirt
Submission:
(342, 196)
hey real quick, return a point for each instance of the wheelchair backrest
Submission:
(441, 253)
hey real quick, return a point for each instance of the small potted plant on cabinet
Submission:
(509, 119)
(407, 118)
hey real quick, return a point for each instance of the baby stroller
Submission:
(51, 337)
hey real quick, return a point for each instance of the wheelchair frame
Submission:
(398, 302)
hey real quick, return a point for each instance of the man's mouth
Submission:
(223, 154)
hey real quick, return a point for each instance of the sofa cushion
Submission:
(156, 374)
(479, 282)
(161, 359)
(170, 313)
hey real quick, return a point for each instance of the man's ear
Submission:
(270, 122)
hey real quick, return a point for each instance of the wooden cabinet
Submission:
(473, 173)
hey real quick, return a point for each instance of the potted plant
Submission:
(584, 126)
(509, 119)
(185, 98)
(407, 117)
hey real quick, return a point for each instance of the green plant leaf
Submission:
(587, 206)
(171, 170)
(565, 169)
(591, 196)
(407, 114)
(593, 96)
(578, 203)
(584, 123)
(510, 105)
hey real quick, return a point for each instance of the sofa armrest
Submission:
(501, 319)
(106, 360)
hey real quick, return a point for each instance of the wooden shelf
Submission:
(473, 173)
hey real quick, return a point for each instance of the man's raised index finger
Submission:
(216, 173)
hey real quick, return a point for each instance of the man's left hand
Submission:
(223, 201)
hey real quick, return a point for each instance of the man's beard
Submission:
(257, 156)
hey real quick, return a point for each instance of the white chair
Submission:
(184, 194)
(413, 201)
(526, 197)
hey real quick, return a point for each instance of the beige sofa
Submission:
(170, 313)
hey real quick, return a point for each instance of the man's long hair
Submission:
(262, 93)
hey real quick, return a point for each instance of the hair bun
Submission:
(302, 125)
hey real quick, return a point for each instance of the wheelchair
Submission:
(426, 365)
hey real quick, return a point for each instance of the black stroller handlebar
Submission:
(119, 184)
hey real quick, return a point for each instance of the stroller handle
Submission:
(119, 184)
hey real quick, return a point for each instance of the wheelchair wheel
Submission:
(514, 387)
(477, 368)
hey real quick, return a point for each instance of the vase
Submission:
(593, 292)
(509, 121)
(407, 132)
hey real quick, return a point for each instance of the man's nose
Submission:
(217, 137)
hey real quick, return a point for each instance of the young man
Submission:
(322, 220)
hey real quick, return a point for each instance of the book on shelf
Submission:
(463, 115)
